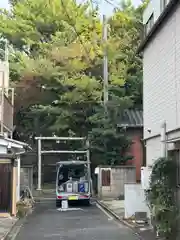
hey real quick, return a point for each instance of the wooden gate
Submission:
(5, 186)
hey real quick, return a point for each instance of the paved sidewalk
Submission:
(116, 207)
(6, 224)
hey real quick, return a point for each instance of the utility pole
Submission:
(105, 62)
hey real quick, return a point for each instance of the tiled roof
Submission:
(131, 118)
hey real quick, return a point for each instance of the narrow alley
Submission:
(85, 223)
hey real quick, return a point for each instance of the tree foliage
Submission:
(161, 197)
(56, 56)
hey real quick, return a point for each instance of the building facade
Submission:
(161, 70)
(132, 122)
(10, 150)
(10, 164)
(6, 93)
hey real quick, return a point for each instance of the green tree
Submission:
(56, 68)
(126, 29)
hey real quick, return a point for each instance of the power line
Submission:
(112, 3)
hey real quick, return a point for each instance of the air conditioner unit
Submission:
(145, 177)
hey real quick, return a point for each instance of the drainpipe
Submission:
(163, 140)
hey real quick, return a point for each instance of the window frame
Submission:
(164, 4)
(149, 24)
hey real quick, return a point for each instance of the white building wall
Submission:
(4, 74)
(3, 149)
(154, 7)
(153, 150)
(138, 204)
(154, 147)
(161, 69)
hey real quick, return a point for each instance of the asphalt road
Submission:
(87, 223)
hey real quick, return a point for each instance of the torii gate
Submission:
(40, 152)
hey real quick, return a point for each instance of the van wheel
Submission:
(58, 203)
(87, 202)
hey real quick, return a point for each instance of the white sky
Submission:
(105, 7)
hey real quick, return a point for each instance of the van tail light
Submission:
(84, 196)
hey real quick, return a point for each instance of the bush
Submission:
(23, 208)
(161, 197)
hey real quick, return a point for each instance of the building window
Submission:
(149, 24)
(164, 3)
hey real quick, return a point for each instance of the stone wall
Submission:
(119, 175)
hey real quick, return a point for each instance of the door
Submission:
(5, 187)
(106, 178)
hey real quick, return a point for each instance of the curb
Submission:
(10, 229)
(119, 219)
(15, 227)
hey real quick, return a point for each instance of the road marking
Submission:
(68, 209)
(110, 218)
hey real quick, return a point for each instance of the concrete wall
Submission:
(138, 203)
(119, 176)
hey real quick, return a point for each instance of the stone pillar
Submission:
(18, 178)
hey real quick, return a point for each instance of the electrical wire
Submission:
(111, 2)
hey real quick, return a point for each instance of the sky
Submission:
(105, 8)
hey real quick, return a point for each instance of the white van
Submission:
(73, 182)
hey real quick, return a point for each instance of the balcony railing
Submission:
(6, 110)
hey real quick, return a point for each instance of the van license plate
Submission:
(73, 198)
